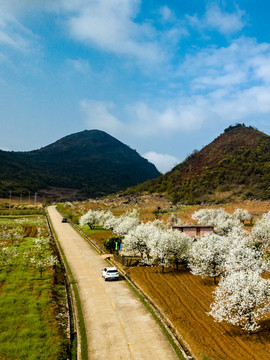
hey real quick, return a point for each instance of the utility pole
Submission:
(35, 197)
(29, 197)
(9, 200)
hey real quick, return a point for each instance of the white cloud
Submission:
(152, 120)
(14, 35)
(163, 162)
(238, 65)
(250, 103)
(166, 13)
(222, 21)
(80, 65)
(234, 87)
(111, 26)
(215, 18)
(98, 116)
(141, 120)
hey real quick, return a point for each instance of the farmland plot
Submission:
(186, 299)
(32, 296)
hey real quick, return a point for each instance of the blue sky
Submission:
(164, 77)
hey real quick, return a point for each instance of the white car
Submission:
(110, 273)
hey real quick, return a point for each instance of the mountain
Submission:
(91, 162)
(236, 165)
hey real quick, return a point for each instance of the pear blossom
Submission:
(242, 215)
(243, 256)
(7, 255)
(141, 239)
(261, 230)
(125, 223)
(40, 255)
(242, 298)
(43, 260)
(223, 222)
(207, 255)
(90, 218)
(106, 219)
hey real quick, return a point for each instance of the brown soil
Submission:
(186, 299)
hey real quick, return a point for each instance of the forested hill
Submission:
(236, 165)
(91, 161)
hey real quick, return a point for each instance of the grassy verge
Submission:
(67, 213)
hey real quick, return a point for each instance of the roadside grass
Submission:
(29, 328)
(97, 230)
(97, 235)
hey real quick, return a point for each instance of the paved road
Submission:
(118, 326)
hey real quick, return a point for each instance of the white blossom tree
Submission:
(243, 256)
(242, 298)
(224, 226)
(106, 219)
(206, 256)
(223, 222)
(126, 223)
(161, 248)
(43, 260)
(13, 234)
(242, 215)
(141, 239)
(90, 218)
(7, 255)
(209, 216)
(261, 230)
(40, 255)
(156, 243)
(170, 247)
(180, 244)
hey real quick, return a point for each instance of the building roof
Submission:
(194, 226)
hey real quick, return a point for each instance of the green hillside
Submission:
(236, 165)
(91, 161)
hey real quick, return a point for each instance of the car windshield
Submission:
(112, 271)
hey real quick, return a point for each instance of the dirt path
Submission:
(118, 326)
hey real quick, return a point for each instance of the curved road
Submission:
(118, 326)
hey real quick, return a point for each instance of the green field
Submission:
(32, 295)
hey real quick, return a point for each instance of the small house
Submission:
(195, 230)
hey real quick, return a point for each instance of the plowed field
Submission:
(185, 299)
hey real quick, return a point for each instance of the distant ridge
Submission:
(236, 165)
(92, 162)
